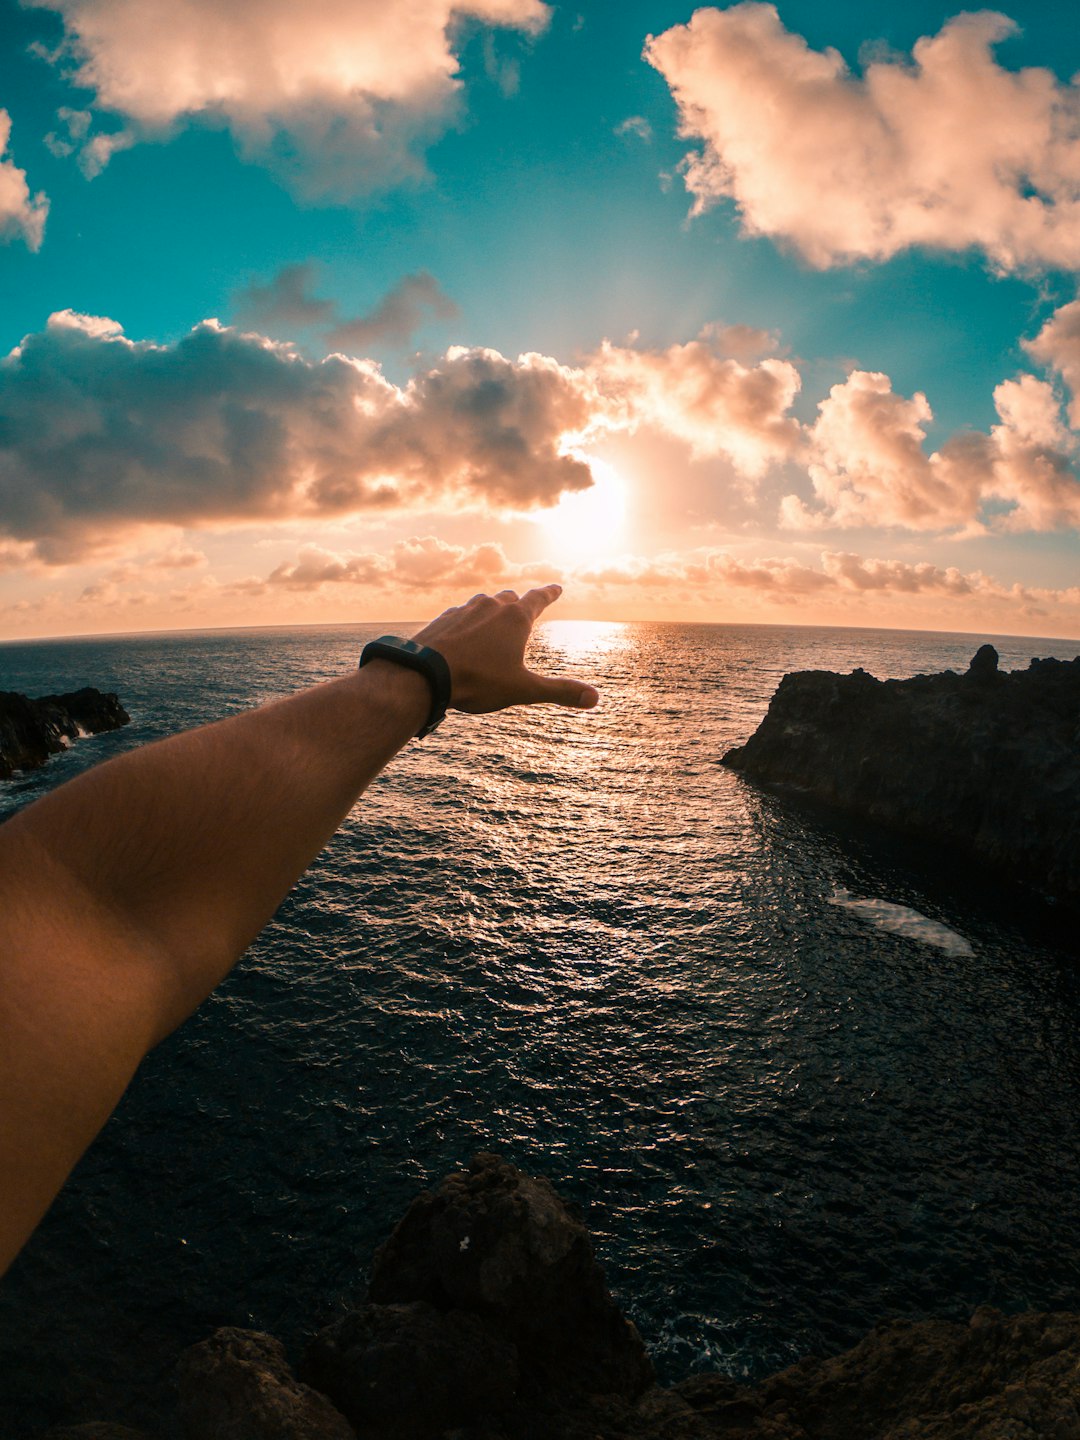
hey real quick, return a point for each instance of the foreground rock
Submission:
(987, 762)
(32, 730)
(487, 1297)
(513, 1336)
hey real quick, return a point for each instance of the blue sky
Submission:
(550, 225)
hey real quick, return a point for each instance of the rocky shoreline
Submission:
(32, 730)
(987, 762)
(487, 1318)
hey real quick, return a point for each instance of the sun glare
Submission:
(587, 523)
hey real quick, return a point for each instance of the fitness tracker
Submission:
(424, 661)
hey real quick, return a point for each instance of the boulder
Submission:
(503, 1246)
(410, 1372)
(238, 1386)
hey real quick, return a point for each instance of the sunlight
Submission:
(587, 524)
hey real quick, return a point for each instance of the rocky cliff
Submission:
(32, 730)
(487, 1318)
(987, 762)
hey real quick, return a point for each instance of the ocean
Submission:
(798, 1076)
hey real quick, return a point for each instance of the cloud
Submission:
(339, 95)
(868, 465)
(636, 125)
(286, 300)
(22, 216)
(1057, 346)
(400, 312)
(100, 434)
(714, 403)
(948, 150)
(287, 303)
(419, 563)
(710, 573)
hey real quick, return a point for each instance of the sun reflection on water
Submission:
(575, 640)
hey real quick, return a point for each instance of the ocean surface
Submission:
(799, 1077)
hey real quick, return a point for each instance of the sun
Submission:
(587, 524)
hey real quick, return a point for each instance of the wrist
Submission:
(401, 697)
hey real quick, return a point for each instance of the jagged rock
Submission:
(32, 730)
(502, 1245)
(451, 1363)
(238, 1386)
(987, 762)
(997, 1378)
(409, 1372)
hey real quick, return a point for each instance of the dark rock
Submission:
(987, 762)
(503, 1246)
(95, 1430)
(984, 663)
(409, 1372)
(238, 1386)
(997, 1378)
(32, 730)
(454, 1362)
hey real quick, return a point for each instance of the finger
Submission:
(507, 596)
(535, 602)
(561, 690)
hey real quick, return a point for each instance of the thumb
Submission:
(561, 690)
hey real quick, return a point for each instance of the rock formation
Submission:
(32, 730)
(513, 1336)
(987, 762)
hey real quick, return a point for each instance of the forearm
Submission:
(191, 844)
(126, 895)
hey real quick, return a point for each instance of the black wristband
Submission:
(424, 661)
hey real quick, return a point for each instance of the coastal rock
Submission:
(238, 1386)
(32, 730)
(987, 762)
(463, 1361)
(487, 1308)
(410, 1372)
(503, 1245)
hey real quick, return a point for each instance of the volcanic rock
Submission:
(987, 762)
(502, 1245)
(486, 1305)
(464, 1361)
(32, 730)
(238, 1386)
(409, 1372)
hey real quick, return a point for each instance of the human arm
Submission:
(129, 893)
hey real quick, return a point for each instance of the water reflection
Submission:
(578, 640)
(575, 936)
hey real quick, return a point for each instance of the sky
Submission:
(346, 311)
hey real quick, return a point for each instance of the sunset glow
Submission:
(587, 524)
(319, 315)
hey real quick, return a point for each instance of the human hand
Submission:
(483, 642)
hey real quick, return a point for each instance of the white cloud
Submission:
(714, 403)
(418, 563)
(868, 465)
(340, 94)
(948, 149)
(22, 215)
(1057, 346)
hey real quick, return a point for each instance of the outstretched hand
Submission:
(484, 642)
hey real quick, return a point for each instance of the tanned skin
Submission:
(129, 893)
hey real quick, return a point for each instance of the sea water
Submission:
(576, 939)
